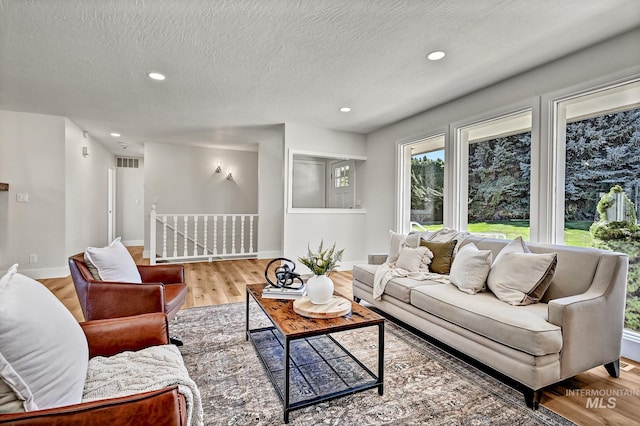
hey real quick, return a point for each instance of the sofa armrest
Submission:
(377, 258)
(168, 274)
(162, 407)
(592, 322)
(113, 300)
(111, 336)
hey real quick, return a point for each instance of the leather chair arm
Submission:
(168, 274)
(164, 407)
(110, 336)
(113, 300)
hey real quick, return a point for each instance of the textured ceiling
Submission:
(236, 69)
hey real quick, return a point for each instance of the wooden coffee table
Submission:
(319, 368)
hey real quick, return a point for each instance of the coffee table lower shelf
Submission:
(320, 368)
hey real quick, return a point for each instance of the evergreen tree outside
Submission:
(427, 184)
(499, 178)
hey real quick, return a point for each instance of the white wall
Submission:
(610, 58)
(271, 197)
(182, 179)
(130, 204)
(85, 190)
(32, 161)
(41, 155)
(346, 229)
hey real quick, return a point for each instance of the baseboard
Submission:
(146, 254)
(133, 242)
(269, 254)
(348, 266)
(631, 345)
(40, 273)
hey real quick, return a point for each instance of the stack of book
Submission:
(271, 292)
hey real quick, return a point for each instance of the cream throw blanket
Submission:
(152, 368)
(386, 272)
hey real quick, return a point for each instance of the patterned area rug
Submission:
(423, 384)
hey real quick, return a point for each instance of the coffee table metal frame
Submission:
(306, 328)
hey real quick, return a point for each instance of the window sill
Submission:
(325, 211)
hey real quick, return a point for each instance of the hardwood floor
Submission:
(590, 398)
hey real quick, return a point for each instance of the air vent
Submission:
(130, 163)
(626, 367)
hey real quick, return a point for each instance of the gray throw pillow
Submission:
(522, 278)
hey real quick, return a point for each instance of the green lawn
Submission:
(575, 233)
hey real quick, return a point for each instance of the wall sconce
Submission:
(229, 176)
(219, 169)
(85, 151)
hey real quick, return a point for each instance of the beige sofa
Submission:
(576, 326)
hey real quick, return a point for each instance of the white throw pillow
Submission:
(414, 259)
(515, 246)
(397, 241)
(470, 269)
(43, 351)
(522, 278)
(112, 263)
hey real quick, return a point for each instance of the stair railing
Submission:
(201, 237)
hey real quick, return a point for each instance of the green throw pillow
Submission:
(442, 255)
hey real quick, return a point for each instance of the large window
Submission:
(496, 200)
(424, 177)
(598, 139)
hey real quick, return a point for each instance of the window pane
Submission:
(427, 182)
(499, 182)
(603, 153)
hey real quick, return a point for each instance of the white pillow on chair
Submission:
(112, 263)
(43, 351)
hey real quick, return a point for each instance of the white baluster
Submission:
(233, 234)
(195, 236)
(242, 234)
(175, 236)
(215, 235)
(186, 235)
(164, 236)
(204, 231)
(250, 234)
(153, 225)
(224, 235)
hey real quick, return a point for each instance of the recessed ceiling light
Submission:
(115, 135)
(156, 76)
(435, 55)
(345, 109)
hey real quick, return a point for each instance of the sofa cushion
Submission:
(470, 269)
(44, 352)
(399, 288)
(365, 273)
(112, 263)
(522, 278)
(521, 327)
(442, 255)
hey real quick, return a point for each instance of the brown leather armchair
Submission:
(162, 290)
(107, 337)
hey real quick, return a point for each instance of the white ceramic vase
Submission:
(319, 289)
